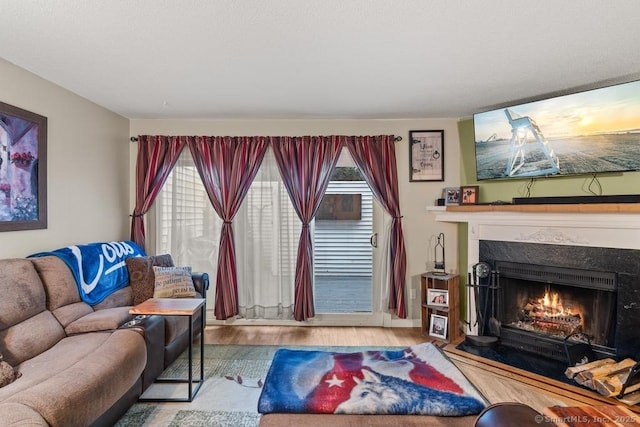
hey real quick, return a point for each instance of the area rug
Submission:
(417, 380)
(234, 376)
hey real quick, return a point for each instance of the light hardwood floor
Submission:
(498, 383)
(313, 335)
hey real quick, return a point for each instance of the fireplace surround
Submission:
(602, 241)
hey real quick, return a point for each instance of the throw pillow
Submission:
(141, 276)
(173, 282)
(7, 373)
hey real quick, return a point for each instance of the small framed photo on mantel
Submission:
(451, 196)
(426, 155)
(469, 195)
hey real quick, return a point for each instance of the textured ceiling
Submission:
(297, 59)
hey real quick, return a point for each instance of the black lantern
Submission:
(438, 255)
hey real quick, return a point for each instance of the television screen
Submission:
(590, 132)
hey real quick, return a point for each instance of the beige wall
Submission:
(91, 163)
(419, 226)
(87, 166)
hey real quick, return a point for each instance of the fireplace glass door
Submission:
(558, 303)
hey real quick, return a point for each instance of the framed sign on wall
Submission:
(426, 155)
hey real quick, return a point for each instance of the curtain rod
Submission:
(135, 139)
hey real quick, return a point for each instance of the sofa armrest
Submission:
(201, 283)
(153, 330)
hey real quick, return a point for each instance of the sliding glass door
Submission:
(345, 236)
(266, 235)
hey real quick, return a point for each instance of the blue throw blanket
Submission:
(99, 268)
(417, 380)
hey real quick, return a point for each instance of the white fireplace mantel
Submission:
(603, 226)
(575, 228)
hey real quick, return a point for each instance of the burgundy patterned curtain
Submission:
(157, 155)
(376, 158)
(305, 164)
(227, 167)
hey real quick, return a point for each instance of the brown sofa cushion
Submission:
(27, 328)
(30, 337)
(173, 282)
(58, 281)
(71, 312)
(92, 370)
(21, 291)
(141, 276)
(102, 320)
(121, 297)
(17, 414)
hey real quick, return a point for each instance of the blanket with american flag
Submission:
(417, 380)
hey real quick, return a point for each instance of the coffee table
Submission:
(178, 307)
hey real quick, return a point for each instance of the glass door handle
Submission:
(373, 241)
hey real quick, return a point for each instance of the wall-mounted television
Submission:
(589, 132)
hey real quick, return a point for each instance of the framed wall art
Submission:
(438, 326)
(23, 169)
(426, 155)
(469, 195)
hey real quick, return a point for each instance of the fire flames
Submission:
(548, 315)
(552, 304)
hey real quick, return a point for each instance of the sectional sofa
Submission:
(79, 365)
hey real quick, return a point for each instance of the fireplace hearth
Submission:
(528, 361)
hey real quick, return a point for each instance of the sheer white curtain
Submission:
(186, 225)
(267, 231)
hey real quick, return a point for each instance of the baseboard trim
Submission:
(394, 323)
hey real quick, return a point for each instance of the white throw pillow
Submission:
(173, 282)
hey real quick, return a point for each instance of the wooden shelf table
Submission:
(178, 307)
(447, 284)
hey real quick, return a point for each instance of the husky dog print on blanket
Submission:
(417, 380)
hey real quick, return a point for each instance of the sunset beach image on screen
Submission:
(590, 132)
